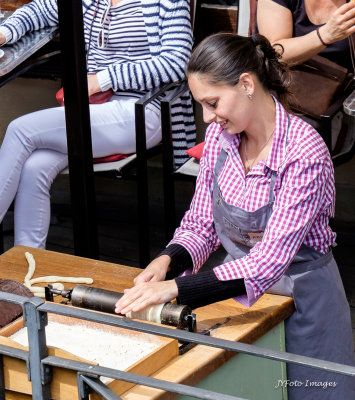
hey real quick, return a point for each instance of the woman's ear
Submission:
(247, 83)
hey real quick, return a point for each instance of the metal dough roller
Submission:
(103, 300)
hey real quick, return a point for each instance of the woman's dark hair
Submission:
(225, 56)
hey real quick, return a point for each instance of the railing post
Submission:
(36, 322)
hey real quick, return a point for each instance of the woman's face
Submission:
(228, 106)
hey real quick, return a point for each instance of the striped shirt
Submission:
(124, 34)
(166, 24)
(304, 202)
(124, 38)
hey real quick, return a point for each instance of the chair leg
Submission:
(168, 169)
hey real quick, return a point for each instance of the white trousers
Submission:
(34, 152)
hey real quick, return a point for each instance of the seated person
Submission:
(132, 47)
(305, 28)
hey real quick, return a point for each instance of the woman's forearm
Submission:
(30, 17)
(299, 49)
(276, 23)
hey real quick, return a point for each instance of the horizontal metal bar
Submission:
(198, 338)
(156, 92)
(186, 336)
(14, 352)
(174, 94)
(13, 298)
(137, 379)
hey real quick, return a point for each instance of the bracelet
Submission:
(320, 38)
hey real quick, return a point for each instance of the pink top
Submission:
(304, 202)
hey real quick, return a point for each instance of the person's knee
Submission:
(17, 130)
(14, 126)
(36, 175)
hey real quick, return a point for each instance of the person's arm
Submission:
(193, 290)
(193, 241)
(205, 288)
(303, 195)
(196, 237)
(173, 49)
(30, 17)
(275, 22)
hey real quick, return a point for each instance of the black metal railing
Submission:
(39, 364)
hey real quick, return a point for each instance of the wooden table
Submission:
(211, 367)
(12, 4)
(17, 53)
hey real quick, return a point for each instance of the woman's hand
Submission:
(2, 39)
(155, 271)
(340, 25)
(146, 294)
(148, 288)
(93, 84)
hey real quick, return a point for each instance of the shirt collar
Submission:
(226, 140)
(281, 131)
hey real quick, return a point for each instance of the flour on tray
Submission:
(108, 349)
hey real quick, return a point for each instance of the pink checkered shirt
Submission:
(304, 202)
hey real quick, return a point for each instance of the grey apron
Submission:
(320, 327)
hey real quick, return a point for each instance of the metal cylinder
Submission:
(105, 300)
(175, 315)
(95, 298)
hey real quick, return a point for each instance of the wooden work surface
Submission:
(237, 322)
(12, 5)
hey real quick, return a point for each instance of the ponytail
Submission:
(225, 56)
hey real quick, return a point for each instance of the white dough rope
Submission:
(39, 290)
(53, 278)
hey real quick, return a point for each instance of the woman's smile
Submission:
(223, 124)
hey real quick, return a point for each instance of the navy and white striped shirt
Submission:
(121, 35)
(169, 38)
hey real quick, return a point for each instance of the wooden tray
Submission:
(64, 382)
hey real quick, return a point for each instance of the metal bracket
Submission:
(50, 292)
(186, 346)
(191, 322)
(46, 374)
(28, 369)
(84, 389)
(88, 383)
(35, 321)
